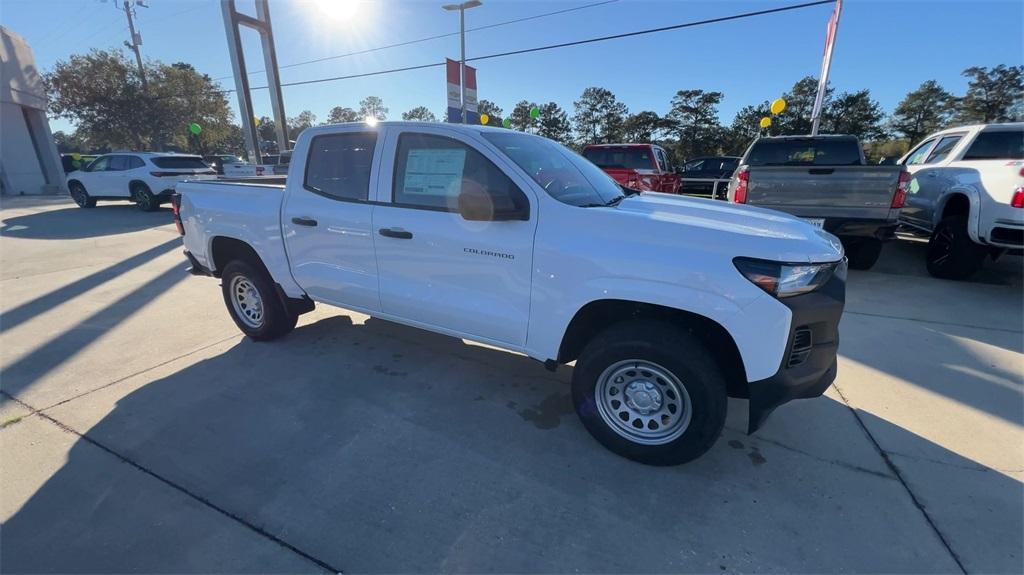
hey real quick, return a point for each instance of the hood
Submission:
(762, 233)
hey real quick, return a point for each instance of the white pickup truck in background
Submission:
(667, 304)
(967, 194)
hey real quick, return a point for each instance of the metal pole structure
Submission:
(462, 59)
(261, 23)
(826, 64)
(249, 132)
(273, 77)
(135, 43)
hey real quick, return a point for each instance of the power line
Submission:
(564, 44)
(428, 38)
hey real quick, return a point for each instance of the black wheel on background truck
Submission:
(650, 392)
(81, 196)
(952, 255)
(144, 198)
(863, 253)
(253, 302)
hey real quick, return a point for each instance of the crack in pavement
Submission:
(836, 462)
(180, 488)
(937, 322)
(899, 476)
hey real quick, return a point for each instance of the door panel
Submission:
(472, 277)
(327, 221)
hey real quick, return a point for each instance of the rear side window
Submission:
(997, 145)
(622, 157)
(339, 165)
(431, 172)
(180, 163)
(805, 152)
(135, 162)
(943, 148)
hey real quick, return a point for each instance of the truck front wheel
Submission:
(253, 303)
(650, 392)
(952, 254)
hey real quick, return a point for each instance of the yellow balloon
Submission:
(765, 122)
(778, 106)
(76, 156)
(484, 118)
(255, 120)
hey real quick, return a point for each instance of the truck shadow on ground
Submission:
(76, 223)
(380, 448)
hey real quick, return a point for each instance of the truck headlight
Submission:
(786, 280)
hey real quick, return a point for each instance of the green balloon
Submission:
(535, 112)
(506, 123)
(195, 128)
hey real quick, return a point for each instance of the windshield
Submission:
(805, 152)
(562, 173)
(620, 157)
(180, 163)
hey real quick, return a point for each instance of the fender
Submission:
(973, 215)
(760, 332)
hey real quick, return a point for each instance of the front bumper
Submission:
(809, 365)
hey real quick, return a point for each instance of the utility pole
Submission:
(129, 11)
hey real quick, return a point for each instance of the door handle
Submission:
(397, 233)
(309, 222)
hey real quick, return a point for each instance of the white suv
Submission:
(146, 178)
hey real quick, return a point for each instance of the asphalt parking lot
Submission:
(142, 432)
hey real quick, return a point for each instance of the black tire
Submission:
(952, 255)
(275, 320)
(664, 346)
(81, 196)
(144, 198)
(863, 253)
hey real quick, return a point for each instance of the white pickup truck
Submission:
(667, 304)
(967, 193)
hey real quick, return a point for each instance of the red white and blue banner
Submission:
(454, 85)
(454, 91)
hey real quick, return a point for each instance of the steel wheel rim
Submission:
(643, 402)
(246, 301)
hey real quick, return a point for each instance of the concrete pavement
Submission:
(147, 435)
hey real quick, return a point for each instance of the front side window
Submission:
(943, 148)
(621, 157)
(431, 171)
(117, 163)
(997, 145)
(99, 164)
(339, 165)
(919, 153)
(564, 175)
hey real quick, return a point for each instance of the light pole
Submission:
(462, 37)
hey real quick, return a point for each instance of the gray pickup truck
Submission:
(826, 181)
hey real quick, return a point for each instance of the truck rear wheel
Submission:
(650, 392)
(863, 253)
(952, 254)
(253, 302)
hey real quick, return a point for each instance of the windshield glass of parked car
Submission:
(180, 163)
(997, 145)
(622, 157)
(565, 175)
(804, 152)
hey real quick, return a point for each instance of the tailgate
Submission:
(855, 192)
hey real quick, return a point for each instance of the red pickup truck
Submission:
(643, 167)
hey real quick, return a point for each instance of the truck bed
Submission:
(847, 192)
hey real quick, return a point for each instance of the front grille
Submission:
(801, 347)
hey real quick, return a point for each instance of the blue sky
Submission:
(887, 47)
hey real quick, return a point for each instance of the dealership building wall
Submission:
(29, 162)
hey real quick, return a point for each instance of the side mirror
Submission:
(476, 205)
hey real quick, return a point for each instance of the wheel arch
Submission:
(599, 314)
(960, 201)
(135, 182)
(225, 249)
